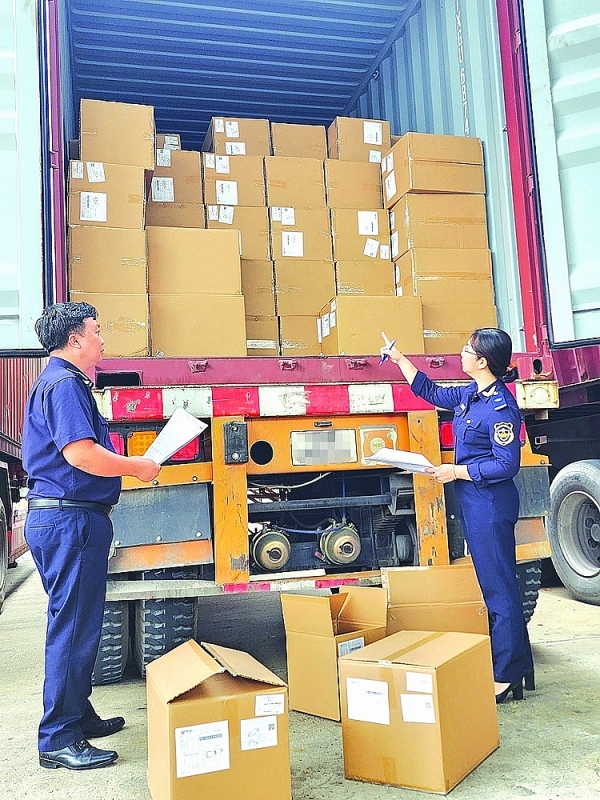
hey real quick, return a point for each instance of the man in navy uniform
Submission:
(74, 480)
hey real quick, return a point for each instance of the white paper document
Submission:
(368, 701)
(179, 431)
(401, 459)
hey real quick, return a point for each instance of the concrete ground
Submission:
(550, 742)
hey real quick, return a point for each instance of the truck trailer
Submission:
(277, 494)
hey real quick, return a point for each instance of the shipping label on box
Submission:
(111, 195)
(177, 177)
(301, 233)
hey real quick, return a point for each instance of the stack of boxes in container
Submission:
(434, 186)
(107, 241)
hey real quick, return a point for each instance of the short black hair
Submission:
(59, 321)
(495, 345)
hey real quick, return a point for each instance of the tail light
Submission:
(139, 441)
(188, 453)
(118, 443)
(446, 436)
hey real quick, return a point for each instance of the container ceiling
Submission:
(303, 61)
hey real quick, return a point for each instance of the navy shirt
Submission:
(61, 409)
(487, 427)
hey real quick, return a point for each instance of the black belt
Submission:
(47, 502)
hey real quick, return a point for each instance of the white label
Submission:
(399, 291)
(390, 162)
(372, 132)
(332, 319)
(219, 125)
(232, 129)
(333, 305)
(163, 190)
(375, 156)
(397, 273)
(390, 185)
(267, 704)
(419, 682)
(258, 732)
(261, 344)
(209, 160)
(392, 219)
(95, 171)
(292, 243)
(92, 206)
(226, 214)
(368, 700)
(417, 708)
(163, 158)
(384, 252)
(235, 148)
(227, 193)
(371, 248)
(319, 331)
(368, 223)
(222, 165)
(213, 213)
(276, 213)
(202, 748)
(350, 646)
(171, 142)
(77, 169)
(288, 216)
(395, 245)
(325, 325)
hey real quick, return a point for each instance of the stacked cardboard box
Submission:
(238, 136)
(299, 141)
(176, 197)
(356, 139)
(106, 208)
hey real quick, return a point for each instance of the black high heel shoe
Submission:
(516, 689)
(530, 681)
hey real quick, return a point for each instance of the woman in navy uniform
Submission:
(486, 425)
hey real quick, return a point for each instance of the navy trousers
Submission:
(488, 516)
(70, 548)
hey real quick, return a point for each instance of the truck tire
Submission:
(529, 576)
(574, 528)
(113, 652)
(162, 625)
(3, 554)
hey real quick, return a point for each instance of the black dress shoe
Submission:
(102, 727)
(516, 689)
(80, 755)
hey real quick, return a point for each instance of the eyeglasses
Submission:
(469, 350)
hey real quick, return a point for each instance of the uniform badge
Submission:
(504, 432)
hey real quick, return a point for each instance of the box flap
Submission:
(455, 583)
(311, 613)
(364, 606)
(181, 670)
(240, 664)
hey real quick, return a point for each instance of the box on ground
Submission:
(446, 328)
(352, 184)
(301, 233)
(238, 136)
(439, 598)
(320, 629)
(357, 139)
(251, 221)
(233, 181)
(109, 260)
(418, 709)
(123, 320)
(177, 177)
(185, 325)
(262, 335)
(299, 336)
(258, 288)
(295, 182)
(117, 133)
(302, 286)
(352, 324)
(193, 260)
(104, 194)
(175, 215)
(449, 221)
(168, 141)
(370, 278)
(360, 235)
(299, 141)
(217, 726)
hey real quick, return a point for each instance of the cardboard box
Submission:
(238, 136)
(352, 325)
(188, 325)
(193, 260)
(107, 260)
(356, 139)
(426, 162)
(262, 336)
(177, 177)
(117, 133)
(252, 223)
(360, 235)
(446, 328)
(258, 288)
(299, 141)
(217, 726)
(446, 276)
(123, 320)
(418, 709)
(109, 195)
(441, 598)
(302, 286)
(370, 278)
(299, 336)
(320, 629)
(175, 215)
(295, 182)
(447, 221)
(301, 233)
(168, 141)
(351, 184)
(441, 289)
(233, 181)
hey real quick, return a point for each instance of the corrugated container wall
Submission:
(16, 378)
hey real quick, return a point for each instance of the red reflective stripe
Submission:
(233, 401)
(329, 583)
(405, 400)
(137, 404)
(242, 588)
(323, 400)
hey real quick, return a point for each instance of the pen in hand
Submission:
(389, 346)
